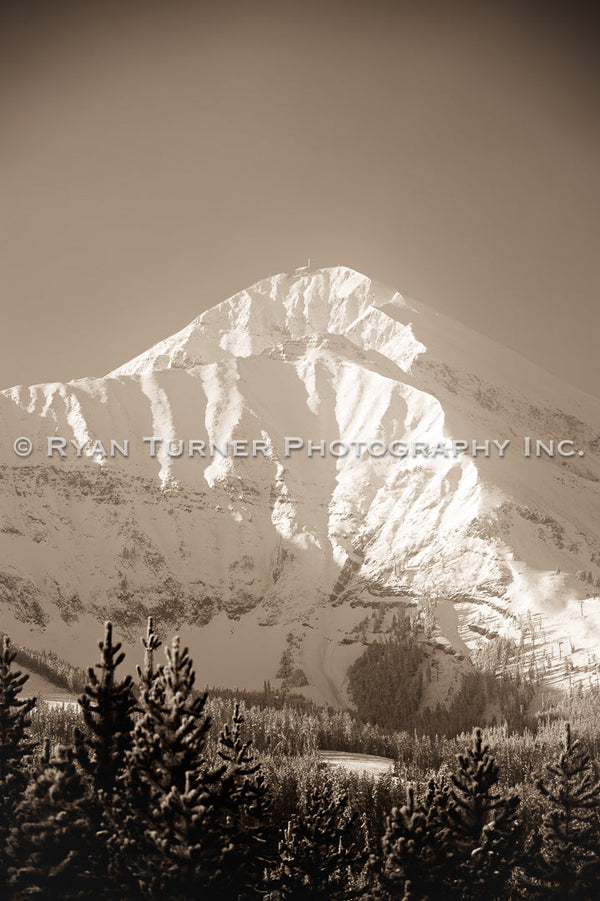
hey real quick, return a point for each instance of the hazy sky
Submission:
(158, 157)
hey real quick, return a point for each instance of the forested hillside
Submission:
(153, 790)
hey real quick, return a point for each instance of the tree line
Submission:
(145, 802)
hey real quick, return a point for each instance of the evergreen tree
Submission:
(169, 740)
(14, 722)
(317, 853)
(107, 706)
(482, 827)
(176, 837)
(567, 863)
(54, 839)
(131, 802)
(247, 823)
(415, 847)
(15, 747)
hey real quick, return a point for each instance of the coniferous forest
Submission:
(151, 789)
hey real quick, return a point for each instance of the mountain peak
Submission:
(285, 307)
(245, 548)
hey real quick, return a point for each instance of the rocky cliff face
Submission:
(251, 556)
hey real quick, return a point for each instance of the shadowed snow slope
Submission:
(253, 556)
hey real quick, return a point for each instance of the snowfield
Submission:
(361, 764)
(252, 558)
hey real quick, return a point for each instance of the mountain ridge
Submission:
(232, 549)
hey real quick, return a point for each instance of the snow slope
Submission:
(251, 557)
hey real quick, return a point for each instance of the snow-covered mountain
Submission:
(251, 557)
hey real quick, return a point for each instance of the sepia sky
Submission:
(157, 157)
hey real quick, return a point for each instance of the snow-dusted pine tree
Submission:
(15, 747)
(186, 816)
(483, 833)
(53, 844)
(108, 706)
(250, 836)
(415, 857)
(567, 863)
(317, 852)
